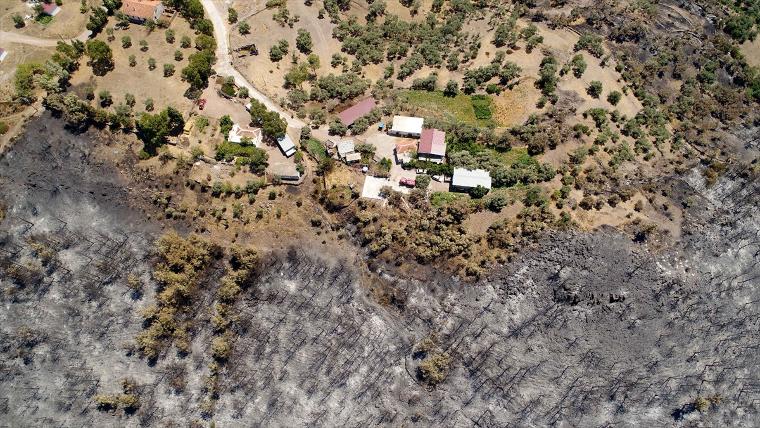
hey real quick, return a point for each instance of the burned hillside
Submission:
(585, 328)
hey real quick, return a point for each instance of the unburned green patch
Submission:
(460, 108)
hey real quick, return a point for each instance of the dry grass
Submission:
(139, 80)
(69, 22)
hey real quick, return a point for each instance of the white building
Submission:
(286, 145)
(466, 179)
(406, 126)
(237, 133)
(345, 147)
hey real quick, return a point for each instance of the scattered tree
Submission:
(304, 42)
(101, 57)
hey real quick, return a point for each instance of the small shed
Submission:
(407, 126)
(3, 54)
(360, 109)
(466, 179)
(286, 145)
(345, 147)
(432, 145)
(353, 157)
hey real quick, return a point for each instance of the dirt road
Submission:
(9, 37)
(224, 64)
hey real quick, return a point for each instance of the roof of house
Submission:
(432, 142)
(345, 147)
(362, 108)
(50, 8)
(405, 146)
(144, 9)
(471, 178)
(353, 157)
(237, 133)
(286, 145)
(407, 124)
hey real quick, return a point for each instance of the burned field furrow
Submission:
(584, 329)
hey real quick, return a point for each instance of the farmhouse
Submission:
(362, 108)
(432, 145)
(286, 145)
(140, 11)
(238, 133)
(466, 179)
(405, 126)
(51, 9)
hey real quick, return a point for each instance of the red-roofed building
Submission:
(362, 108)
(142, 10)
(51, 9)
(432, 145)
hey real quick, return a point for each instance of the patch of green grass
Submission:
(481, 105)
(227, 151)
(44, 19)
(459, 108)
(518, 155)
(316, 149)
(438, 199)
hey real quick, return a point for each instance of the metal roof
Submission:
(362, 108)
(286, 145)
(407, 124)
(345, 147)
(471, 178)
(432, 142)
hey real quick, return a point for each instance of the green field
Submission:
(438, 199)
(518, 155)
(316, 149)
(435, 104)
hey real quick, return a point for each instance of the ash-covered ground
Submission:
(586, 329)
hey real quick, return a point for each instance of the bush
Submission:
(478, 192)
(452, 89)
(614, 97)
(303, 41)
(422, 181)
(590, 43)
(594, 89)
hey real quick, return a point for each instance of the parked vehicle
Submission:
(201, 103)
(409, 182)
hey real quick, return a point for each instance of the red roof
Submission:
(362, 108)
(49, 8)
(145, 9)
(432, 142)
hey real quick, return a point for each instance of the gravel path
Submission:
(10, 37)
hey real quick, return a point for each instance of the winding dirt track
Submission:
(224, 64)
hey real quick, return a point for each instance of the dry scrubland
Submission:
(139, 80)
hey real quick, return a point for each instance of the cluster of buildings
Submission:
(430, 144)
